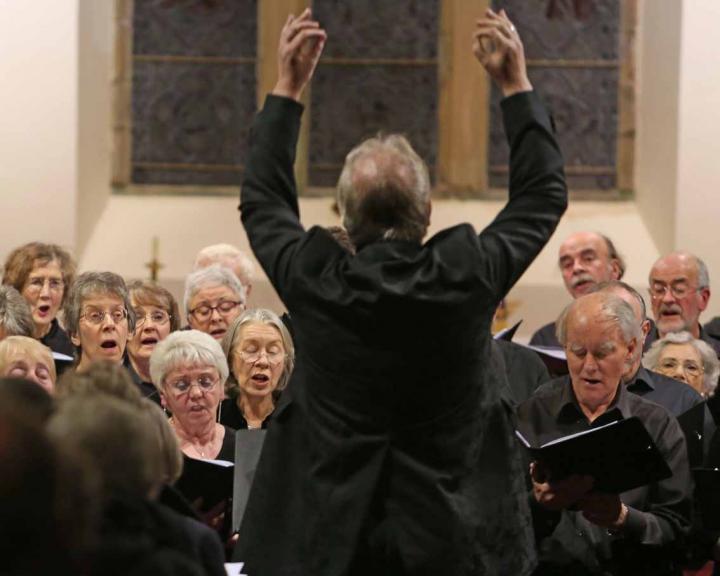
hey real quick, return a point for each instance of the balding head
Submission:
(384, 192)
(680, 291)
(586, 259)
(600, 335)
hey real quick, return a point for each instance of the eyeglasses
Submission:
(182, 386)
(203, 312)
(275, 357)
(36, 284)
(159, 317)
(688, 366)
(679, 290)
(98, 316)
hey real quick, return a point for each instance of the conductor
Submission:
(391, 452)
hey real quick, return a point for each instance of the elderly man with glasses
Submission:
(679, 293)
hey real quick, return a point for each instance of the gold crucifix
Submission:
(154, 265)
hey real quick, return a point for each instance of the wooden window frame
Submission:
(463, 106)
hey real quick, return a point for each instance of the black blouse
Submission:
(232, 416)
(58, 340)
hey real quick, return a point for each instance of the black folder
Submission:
(508, 333)
(692, 423)
(620, 456)
(707, 496)
(248, 446)
(206, 479)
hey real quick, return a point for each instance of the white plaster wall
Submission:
(698, 199)
(658, 79)
(38, 119)
(94, 128)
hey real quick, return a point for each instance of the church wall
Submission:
(38, 119)
(658, 93)
(55, 151)
(698, 200)
(95, 58)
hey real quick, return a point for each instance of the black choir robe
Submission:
(391, 450)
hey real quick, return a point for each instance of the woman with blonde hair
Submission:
(26, 358)
(261, 357)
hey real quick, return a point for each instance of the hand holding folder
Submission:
(618, 456)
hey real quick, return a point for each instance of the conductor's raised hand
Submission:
(497, 45)
(301, 43)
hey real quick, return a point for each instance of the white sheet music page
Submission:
(234, 568)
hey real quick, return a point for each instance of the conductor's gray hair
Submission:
(614, 309)
(233, 337)
(186, 348)
(215, 275)
(15, 315)
(711, 365)
(393, 204)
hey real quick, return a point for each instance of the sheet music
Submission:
(234, 568)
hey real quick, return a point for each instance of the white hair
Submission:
(215, 275)
(186, 348)
(614, 309)
(229, 256)
(711, 365)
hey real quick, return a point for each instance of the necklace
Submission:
(189, 444)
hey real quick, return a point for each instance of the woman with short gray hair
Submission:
(261, 357)
(685, 358)
(99, 318)
(214, 297)
(189, 370)
(15, 316)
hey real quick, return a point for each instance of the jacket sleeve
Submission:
(268, 199)
(537, 197)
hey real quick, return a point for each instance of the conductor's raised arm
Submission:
(268, 200)
(537, 192)
(498, 48)
(301, 43)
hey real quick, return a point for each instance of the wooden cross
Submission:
(154, 265)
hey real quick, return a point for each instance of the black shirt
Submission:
(658, 514)
(232, 416)
(58, 340)
(147, 389)
(227, 450)
(712, 328)
(675, 396)
(714, 343)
